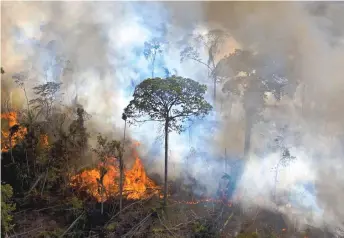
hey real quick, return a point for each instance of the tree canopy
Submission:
(174, 99)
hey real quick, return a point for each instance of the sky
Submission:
(103, 44)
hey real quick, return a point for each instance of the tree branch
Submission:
(201, 62)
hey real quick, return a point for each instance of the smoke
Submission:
(310, 34)
(96, 50)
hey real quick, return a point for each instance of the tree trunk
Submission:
(166, 162)
(153, 63)
(102, 207)
(226, 161)
(276, 181)
(214, 89)
(248, 131)
(11, 149)
(121, 171)
(27, 163)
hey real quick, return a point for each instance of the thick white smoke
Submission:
(104, 42)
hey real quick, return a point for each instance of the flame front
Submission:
(137, 185)
(6, 139)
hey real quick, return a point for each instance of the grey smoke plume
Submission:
(101, 40)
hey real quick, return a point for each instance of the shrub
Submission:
(7, 207)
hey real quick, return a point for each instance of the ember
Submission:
(137, 184)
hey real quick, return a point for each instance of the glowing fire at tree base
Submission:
(137, 185)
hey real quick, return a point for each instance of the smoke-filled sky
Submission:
(103, 43)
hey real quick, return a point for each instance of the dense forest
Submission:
(67, 173)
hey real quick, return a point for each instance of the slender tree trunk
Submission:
(276, 181)
(303, 100)
(166, 161)
(27, 163)
(214, 89)
(121, 171)
(153, 63)
(11, 149)
(102, 205)
(226, 160)
(248, 131)
(101, 182)
(27, 100)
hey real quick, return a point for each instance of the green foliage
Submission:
(77, 130)
(151, 50)
(157, 230)
(7, 207)
(76, 204)
(199, 228)
(46, 96)
(203, 230)
(174, 100)
(107, 148)
(111, 226)
(51, 234)
(152, 47)
(248, 235)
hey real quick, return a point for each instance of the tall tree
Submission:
(47, 95)
(249, 76)
(151, 50)
(211, 43)
(78, 137)
(171, 101)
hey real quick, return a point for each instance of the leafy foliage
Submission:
(152, 49)
(248, 235)
(174, 99)
(203, 229)
(106, 148)
(47, 94)
(210, 42)
(248, 71)
(7, 207)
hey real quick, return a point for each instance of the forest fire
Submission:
(137, 185)
(13, 133)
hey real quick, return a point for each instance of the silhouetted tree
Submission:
(211, 42)
(246, 76)
(170, 101)
(151, 50)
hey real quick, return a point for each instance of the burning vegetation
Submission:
(11, 133)
(137, 185)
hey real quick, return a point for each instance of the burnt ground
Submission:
(80, 217)
(146, 218)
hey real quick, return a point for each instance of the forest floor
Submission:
(146, 218)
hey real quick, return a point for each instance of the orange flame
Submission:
(43, 139)
(17, 136)
(137, 184)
